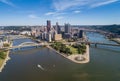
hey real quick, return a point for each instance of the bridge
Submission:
(12, 37)
(25, 44)
(30, 44)
(89, 43)
(100, 43)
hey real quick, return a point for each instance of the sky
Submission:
(75, 12)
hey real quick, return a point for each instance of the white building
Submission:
(1, 43)
(26, 33)
(49, 37)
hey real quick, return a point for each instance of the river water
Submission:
(23, 66)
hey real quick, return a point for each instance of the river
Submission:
(103, 66)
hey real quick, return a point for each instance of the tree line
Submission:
(64, 49)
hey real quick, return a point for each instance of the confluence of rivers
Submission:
(103, 66)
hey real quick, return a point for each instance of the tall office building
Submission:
(67, 28)
(45, 35)
(49, 38)
(57, 28)
(81, 34)
(48, 25)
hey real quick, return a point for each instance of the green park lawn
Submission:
(1, 62)
(73, 50)
(2, 57)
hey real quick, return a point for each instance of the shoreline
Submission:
(72, 57)
(5, 60)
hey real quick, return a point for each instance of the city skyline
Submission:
(76, 12)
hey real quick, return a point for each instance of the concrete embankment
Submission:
(5, 60)
(72, 57)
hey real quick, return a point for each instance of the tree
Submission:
(6, 45)
(63, 47)
(2, 55)
(79, 50)
(67, 50)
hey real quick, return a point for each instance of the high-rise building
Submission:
(48, 25)
(57, 28)
(45, 35)
(52, 34)
(81, 34)
(49, 38)
(67, 28)
(42, 36)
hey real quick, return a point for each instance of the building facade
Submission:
(58, 37)
(67, 28)
(57, 28)
(48, 25)
(81, 34)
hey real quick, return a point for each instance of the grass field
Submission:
(73, 50)
(1, 62)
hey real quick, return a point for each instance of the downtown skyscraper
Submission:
(48, 25)
(57, 28)
(67, 28)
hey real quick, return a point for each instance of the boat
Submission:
(39, 66)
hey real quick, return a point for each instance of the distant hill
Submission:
(17, 28)
(109, 28)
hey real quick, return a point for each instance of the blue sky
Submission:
(80, 12)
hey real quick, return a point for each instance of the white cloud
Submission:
(60, 5)
(7, 2)
(49, 13)
(77, 11)
(33, 16)
(103, 3)
(59, 17)
(54, 13)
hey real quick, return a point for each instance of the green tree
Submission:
(67, 50)
(6, 45)
(63, 47)
(2, 55)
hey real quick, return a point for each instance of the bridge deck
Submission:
(105, 44)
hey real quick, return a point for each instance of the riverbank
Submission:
(74, 56)
(4, 61)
